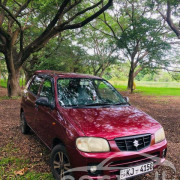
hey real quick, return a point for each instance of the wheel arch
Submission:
(57, 141)
(21, 110)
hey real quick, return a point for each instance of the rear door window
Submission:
(35, 85)
(47, 90)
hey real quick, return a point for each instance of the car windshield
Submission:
(87, 92)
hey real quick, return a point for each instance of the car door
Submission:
(30, 97)
(45, 116)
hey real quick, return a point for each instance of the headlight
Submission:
(159, 135)
(92, 144)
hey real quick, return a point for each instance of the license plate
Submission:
(136, 170)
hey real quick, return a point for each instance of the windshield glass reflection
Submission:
(87, 92)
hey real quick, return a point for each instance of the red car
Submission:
(90, 127)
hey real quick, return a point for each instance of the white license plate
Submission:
(136, 170)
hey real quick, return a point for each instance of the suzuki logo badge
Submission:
(136, 143)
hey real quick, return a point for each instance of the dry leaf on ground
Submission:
(21, 172)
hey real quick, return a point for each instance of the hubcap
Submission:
(61, 164)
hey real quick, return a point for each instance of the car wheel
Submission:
(23, 124)
(60, 163)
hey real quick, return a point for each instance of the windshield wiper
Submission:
(123, 103)
(75, 106)
(98, 104)
(106, 104)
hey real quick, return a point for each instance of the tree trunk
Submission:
(102, 72)
(28, 75)
(13, 86)
(131, 79)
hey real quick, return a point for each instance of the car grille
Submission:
(133, 143)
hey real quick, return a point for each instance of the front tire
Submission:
(23, 124)
(60, 163)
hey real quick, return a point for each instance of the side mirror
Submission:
(127, 99)
(43, 101)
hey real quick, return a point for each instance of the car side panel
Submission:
(29, 109)
(46, 120)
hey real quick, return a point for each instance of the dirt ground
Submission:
(164, 109)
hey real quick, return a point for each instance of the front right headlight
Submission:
(92, 144)
(159, 135)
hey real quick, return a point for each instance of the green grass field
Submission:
(154, 91)
(152, 88)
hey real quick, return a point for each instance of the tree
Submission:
(47, 19)
(169, 10)
(60, 55)
(102, 52)
(141, 50)
(138, 35)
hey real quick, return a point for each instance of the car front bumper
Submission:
(109, 164)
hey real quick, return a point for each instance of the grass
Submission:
(159, 91)
(154, 91)
(8, 98)
(9, 165)
(152, 88)
(3, 83)
(13, 162)
(149, 84)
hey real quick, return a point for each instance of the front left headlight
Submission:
(159, 135)
(92, 144)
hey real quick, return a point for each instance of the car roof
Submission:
(65, 75)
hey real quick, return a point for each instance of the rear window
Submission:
(47, 90)
(35, 84)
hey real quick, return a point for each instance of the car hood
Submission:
(112, 122)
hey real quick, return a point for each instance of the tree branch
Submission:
(39, 42)
(72, 6)
(79, 13)
(165, 68)
(24, 6)
(137, 71)
(17, 3)
(19, 24)
(172, 70)
(89, 19)
(2, 48)
(56, 18)
(105, 21)
(4, 34)
(51, 30)
(141, 57)
(119, 24)
(101, 31)
(168, 19)
(1, 18)
(170, 22)
(135, 50)
(3, 39)
(2, 13)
